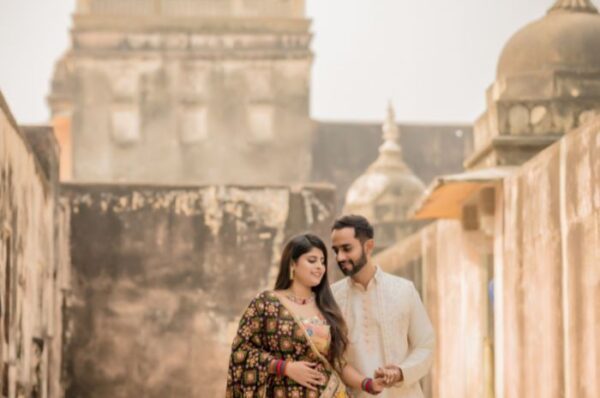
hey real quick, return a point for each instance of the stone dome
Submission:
(567, 38)
(387, 173)
(368, 187)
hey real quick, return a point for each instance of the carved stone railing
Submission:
(194, 8)
(122, 7)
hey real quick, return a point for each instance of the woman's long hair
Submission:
(296, 247)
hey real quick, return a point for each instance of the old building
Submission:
(186, 91)
(34, 261)
(212, 92)
(509, 271)
(185, 132)
(182, 125)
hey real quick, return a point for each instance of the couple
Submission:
(305, 339)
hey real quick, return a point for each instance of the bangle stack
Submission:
(367, 385)
(280, 366)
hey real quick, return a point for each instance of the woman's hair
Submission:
(294, 248)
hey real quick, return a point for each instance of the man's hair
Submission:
(363, 230)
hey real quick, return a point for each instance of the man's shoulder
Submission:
(397, 281)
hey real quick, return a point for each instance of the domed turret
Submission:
(547, 84)
(387, 189)
(566, 39)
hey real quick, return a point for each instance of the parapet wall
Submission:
(163, 274)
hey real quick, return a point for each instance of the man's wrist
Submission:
(399, 375)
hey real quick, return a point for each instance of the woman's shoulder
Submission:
(261, 302)
(275, 293)
(266, 296)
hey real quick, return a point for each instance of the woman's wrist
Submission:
(272, 366)
(367, 386)
(278, 367)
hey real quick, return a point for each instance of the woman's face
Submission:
(310, 268)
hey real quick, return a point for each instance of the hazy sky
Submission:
(432, 58)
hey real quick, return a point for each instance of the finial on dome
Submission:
(390, 128)
(574, 6)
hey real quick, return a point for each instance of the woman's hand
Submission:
(305, 374)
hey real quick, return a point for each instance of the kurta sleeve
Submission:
(421, 340)
(249, 362)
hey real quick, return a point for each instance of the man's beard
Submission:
(356, 267)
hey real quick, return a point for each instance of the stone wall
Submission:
(549, 272)
(450, 267)
(163, 273)
(404, 259)
(534, 331)
(33, 261)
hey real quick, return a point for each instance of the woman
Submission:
(291, 341)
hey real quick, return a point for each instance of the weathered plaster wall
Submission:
(404, 259)
(33, 261)
(163, 274)
(450, 267)
(544, 316)
(550, 270)
(456, 295)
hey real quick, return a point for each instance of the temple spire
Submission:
(390, 152)
(574, 6)
(390, 128)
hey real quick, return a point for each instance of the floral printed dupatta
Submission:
(269, 330)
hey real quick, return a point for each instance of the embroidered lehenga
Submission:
(268, 331)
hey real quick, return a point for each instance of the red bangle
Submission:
(366, 384)
(280, 367)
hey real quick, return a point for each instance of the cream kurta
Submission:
(387, 322)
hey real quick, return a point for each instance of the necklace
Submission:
(299, 300)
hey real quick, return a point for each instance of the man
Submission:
(387, 322)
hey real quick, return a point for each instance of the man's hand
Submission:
(390, 374)
(378, 385)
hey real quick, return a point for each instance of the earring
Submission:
(291, 272)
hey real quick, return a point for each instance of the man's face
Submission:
(349, 252)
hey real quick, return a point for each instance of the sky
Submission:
(433, 59)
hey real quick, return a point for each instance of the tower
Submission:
(179, 91)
